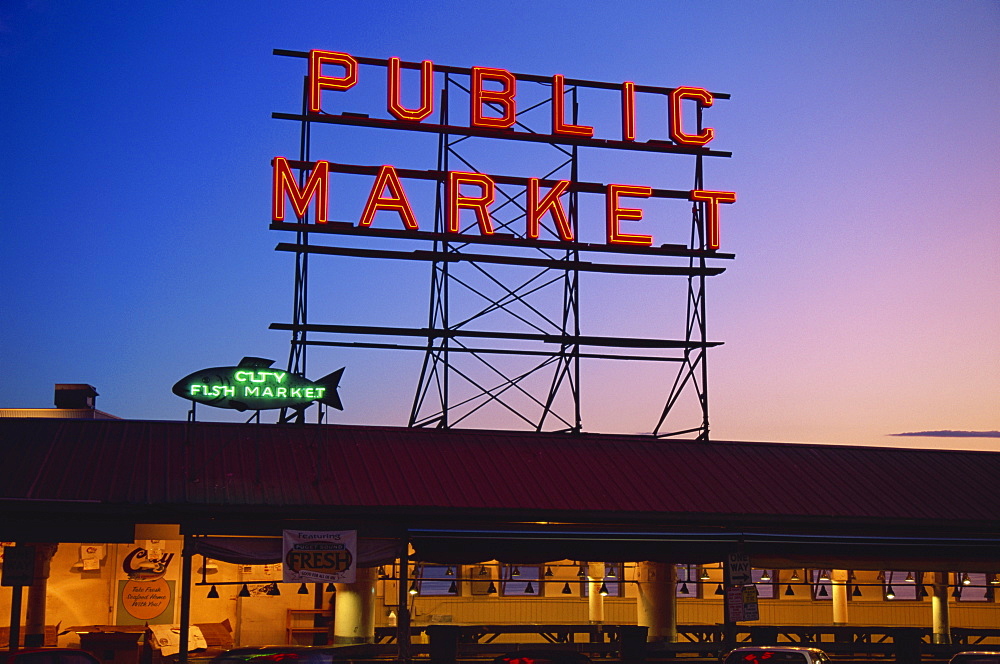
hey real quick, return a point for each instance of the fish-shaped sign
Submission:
(253, 385)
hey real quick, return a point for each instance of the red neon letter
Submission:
(628, 111)
(704, 98)
(395, 201)
(318, 82)
(713, 198)
(559, 111)
(479, 204)
(426, 92)
(538, 208)
(317, 186)
(504, 97)
(616, 214)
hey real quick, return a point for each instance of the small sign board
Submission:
(320, 556)
(742, 603)
(18, 566)
(734, 602)
(750, 610)
(739, 569)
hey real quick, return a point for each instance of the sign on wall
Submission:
(319, 556)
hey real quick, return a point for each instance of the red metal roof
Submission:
(469, 474)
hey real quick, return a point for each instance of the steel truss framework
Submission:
(504, 321)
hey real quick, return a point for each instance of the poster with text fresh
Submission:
(319, 556)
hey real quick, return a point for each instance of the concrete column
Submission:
(34, 621)
(838, 585)
(941, 627)
(354, 610)
(657, 601)
(595, 577)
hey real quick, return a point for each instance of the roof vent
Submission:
(75, 395)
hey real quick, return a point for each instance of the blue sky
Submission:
(862, 303)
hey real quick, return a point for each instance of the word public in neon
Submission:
(493, 106)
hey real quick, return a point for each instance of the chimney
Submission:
(75, 395)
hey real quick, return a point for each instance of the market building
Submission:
(144, 523)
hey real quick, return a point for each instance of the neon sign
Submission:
(493, 110)
(253, 385)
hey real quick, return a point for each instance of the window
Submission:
(687, 586)
(436, 580)
(766, 581)
(518, 580)
(819, 584)
(901, 586)
(980, 587)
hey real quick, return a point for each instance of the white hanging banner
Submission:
(320, 556)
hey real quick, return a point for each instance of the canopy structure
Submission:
(466, 496)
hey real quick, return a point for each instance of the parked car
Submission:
(542, 656)
(47, 656)
(294, 654)
(774, 654)
(976, 657)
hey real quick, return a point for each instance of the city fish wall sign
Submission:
(493, 108)
(254, 385)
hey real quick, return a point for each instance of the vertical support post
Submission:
(185, 635)
(838, 585)
(941, 627)
(728, 624)
(16, 594)
(403, 615)
(656, 603)
(34, 620)
(354, 615)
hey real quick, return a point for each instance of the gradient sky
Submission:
(863, 302)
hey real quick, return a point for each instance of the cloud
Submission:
(946, 433)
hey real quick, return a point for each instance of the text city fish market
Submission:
(252, 390)
(388, 193)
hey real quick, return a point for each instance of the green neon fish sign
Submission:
(254, 385)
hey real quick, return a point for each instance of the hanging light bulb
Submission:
(889, 593)
(567, 590)
(330, 588)
(303, 589)
(965, 579)
(548, 571)
(529, 589)
(909, 578)
(244, 591)
(453, 588)
(822, 592)
(795, 576)
(381, 572)
(990, 593)
(881, 576)
(482, 570)
(923, 591)
(212, 593)
(957, 592)
(603, 592)
(994, 579)
(788, 590)
(492, 590)
(516, 571)
(449, 571)
(612, 573)
(719, 590)
(856, 592)
(765, 576)
(704, 574)
(413, 588)
(824, 575)
(582, 572)
(684, 589)
(274, 590)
